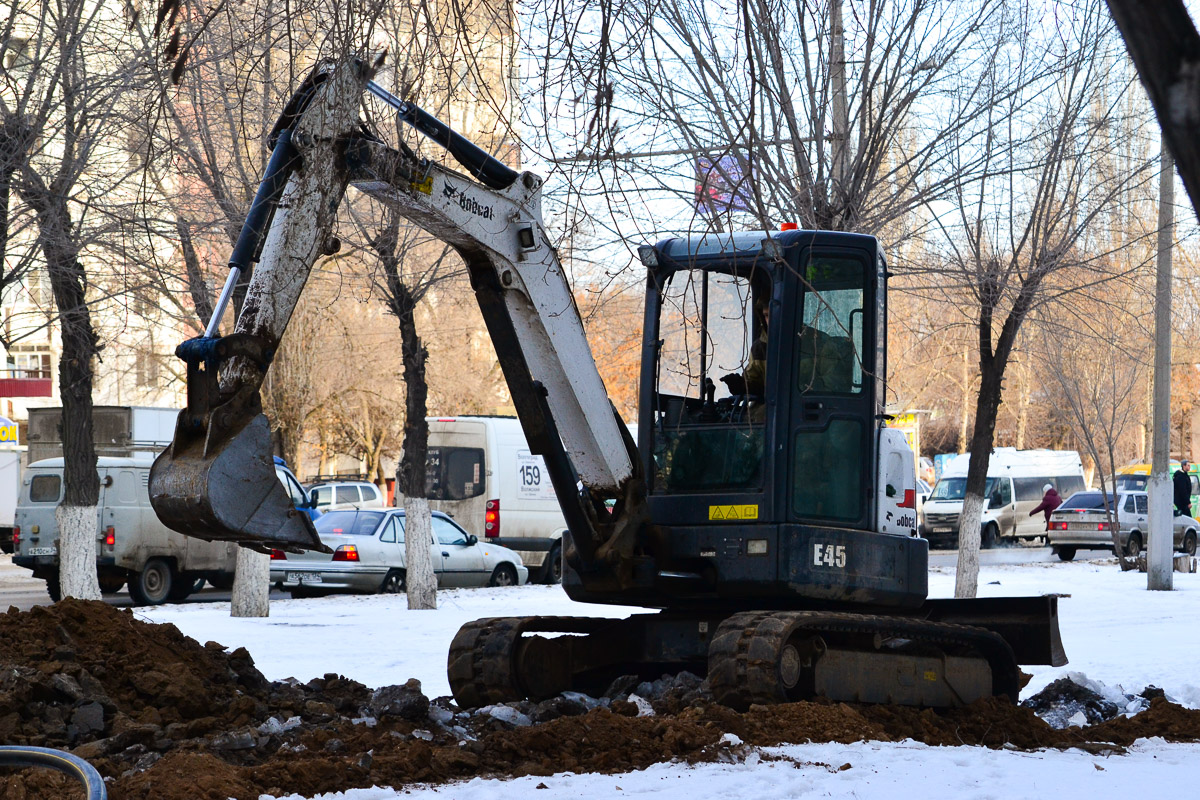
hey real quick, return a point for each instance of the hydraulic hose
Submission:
(85, 773)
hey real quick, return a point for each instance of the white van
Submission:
(1014, 488)
(132, 545)
(480, 472)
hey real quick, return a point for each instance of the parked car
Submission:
(368, 556)
(335, 495)
(1081, 523)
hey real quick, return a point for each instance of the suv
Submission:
(345, 494)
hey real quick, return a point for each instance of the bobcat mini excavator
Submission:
(770, 519)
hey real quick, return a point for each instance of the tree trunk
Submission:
(251, 585)
(77, 520)
(410, 476)
(77, 551)
(987, 407)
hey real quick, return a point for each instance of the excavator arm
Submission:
(216, 481)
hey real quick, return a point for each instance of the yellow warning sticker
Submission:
(425, 186)
(733, 513)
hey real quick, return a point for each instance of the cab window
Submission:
(829, 351)
(45, 488)
(711, 381)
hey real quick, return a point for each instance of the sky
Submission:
(1117, 635)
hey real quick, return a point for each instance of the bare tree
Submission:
(1095, 389)
(1031, 230)
(65, 110)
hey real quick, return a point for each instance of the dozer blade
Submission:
(223, 487)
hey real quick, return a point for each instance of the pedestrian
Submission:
(1050, 501)
(1182, 483)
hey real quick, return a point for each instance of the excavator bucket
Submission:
(224, 488)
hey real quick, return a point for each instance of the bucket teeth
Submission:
(227, 489)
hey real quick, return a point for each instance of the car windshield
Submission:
(1135, 483)
(1085, 501)
(955, 488)
(349, 523)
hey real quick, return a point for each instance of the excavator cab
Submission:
(762, 390)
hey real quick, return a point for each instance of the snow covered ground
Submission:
(1114, 631)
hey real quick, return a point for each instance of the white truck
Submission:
(480, 471)
(132, 546)
(1015, 486)
(10, 478)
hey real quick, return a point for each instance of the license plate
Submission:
(43, 551)
(303, 577)
(942, 530)
(1081, 526)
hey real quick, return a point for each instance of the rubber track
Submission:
(743, 654)
(481, 663)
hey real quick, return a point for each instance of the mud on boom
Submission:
(766, 510)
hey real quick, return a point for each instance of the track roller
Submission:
(774, 657)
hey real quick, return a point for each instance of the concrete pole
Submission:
(841, 117)
(1159, 574)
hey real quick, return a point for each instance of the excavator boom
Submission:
(216, 480)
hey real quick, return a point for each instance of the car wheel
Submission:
(111, 583)
(183, 587)
(393, 583)
(221, 580)
(1133, 548)
(152, 586)
(552, 569)
(989, 537)
(54, 588)
(503, 575)
(1189, 543)
(1065, 553)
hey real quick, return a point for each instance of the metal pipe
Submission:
(76, 767)
(480, 164)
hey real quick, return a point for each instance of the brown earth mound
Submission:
(163, 717)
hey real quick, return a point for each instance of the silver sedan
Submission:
(368, 556)
(1081, 522)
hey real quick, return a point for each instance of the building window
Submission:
(146, 369)
(29, 361)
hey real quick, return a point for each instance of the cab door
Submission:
(832, 385)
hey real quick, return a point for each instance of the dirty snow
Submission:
(1119, 637)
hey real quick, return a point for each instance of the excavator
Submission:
(765, 518)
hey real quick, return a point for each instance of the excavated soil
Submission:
(163, 717)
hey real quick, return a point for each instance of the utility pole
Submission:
(840, 105)
(1159, 575)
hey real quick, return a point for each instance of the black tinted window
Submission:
(454, 473)
(1069, 484)
(349, 523)
(45, 488)
(1086, 501)
(1143, 504)
(1030, 488)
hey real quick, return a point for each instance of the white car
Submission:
(368, 556)
(345, 494)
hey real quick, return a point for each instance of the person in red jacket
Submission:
(1050, 501)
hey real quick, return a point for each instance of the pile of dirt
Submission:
(162, 716)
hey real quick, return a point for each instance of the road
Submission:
(18, 589)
